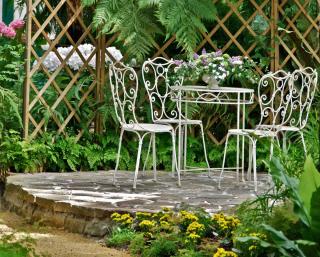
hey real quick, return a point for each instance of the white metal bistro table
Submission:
(240, 97)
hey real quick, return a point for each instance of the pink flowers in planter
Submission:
(10, 31)
(17, 24)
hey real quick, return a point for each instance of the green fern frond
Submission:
(148, 3)
(88, 2)
(137, 22)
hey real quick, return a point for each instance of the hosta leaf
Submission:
(278, 173)
(315, 215)
(309, 183)
(283, 243)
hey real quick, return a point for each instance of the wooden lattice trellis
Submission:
(236, 40)
(33, 95)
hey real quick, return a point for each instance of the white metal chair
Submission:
(304, 84)
(274, 93)
(124, 85)
(156, 77)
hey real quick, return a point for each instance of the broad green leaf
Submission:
(306, 242)
(278, 173)
(282, 242)
(309, 183)
(315, 215)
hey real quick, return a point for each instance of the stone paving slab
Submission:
(95, 188)
(68, 199)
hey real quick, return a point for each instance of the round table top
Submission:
(198, 88)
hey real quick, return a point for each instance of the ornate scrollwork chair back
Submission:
(304, 84)
(157, 79)
(274, 96)
(124, 86)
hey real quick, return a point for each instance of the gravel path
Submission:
(51, 242)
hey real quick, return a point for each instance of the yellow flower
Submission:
(115, 215)
(143, 215)
(224, 222)
(165, 217)
(252, 248)
(124, 219)
(194, 237)
(147, 224)
(223, 253)
(195, 227)
(260, 235)
(166, 209)
(148, 235)
(188, 217)
(164, 225)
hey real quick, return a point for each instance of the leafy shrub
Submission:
(120, 238)
(9, 107)
(161, 247)
(191, 253)
(284, 219)
(11, 65)
(137, 244)
(13, 250)
(10, 246)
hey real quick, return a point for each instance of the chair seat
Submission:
(147, 127)
(288, 128)
(254, 132)
(176, 121)
(281, 128)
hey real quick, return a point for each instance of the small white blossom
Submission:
(45, 47)
(116, 54)
(52, 62)
(52, 35)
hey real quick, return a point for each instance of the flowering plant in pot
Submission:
(218, 69)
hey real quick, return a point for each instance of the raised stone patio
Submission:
(83, 201)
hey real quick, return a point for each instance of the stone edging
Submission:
(76, 219)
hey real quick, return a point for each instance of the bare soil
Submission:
(52, 242)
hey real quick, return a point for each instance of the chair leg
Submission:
(205, 150)
(137, 163)
(271, 148)
(118, 157)
(174, 154)
(174, 159)
(182, 149)
(278, 141)
(224, 160)
(254, 153)
(303, 142)
(173, 162)
(147, 158)
(154, 156)
(250, 161)
(185, 147)
(284, 141)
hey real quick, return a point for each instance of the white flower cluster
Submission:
(75, 62)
